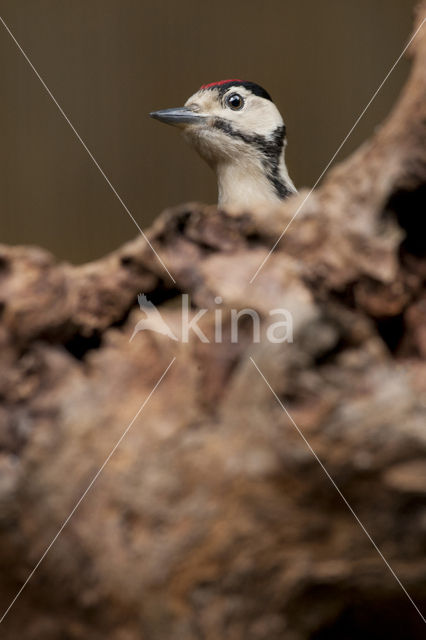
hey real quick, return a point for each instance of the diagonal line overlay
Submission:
(92, 157)
(299, 208)
(338, 490)
(92, 482)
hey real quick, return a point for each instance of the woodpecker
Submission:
(238, 130)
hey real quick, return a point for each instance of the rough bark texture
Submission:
(213, 519)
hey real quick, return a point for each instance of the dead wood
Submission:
(213, 519)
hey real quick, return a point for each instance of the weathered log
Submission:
(212, 518)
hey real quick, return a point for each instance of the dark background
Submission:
(110, 62)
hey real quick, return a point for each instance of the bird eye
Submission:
(235, 102)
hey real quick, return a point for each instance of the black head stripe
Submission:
(270, 148)
(223, 87)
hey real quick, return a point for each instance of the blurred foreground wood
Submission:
(213, 519)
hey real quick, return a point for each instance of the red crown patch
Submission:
(217, 84)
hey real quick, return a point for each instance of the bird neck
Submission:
(252, 182)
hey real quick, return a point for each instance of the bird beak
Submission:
(180, 116)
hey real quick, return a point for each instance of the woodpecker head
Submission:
(237, 129)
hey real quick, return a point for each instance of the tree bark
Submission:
(213, 518)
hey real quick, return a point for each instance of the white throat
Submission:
(245, 146)
(242, 186)
(248, 184)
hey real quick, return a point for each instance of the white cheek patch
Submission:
(258, 116)
(229, 134)
(244, 146)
